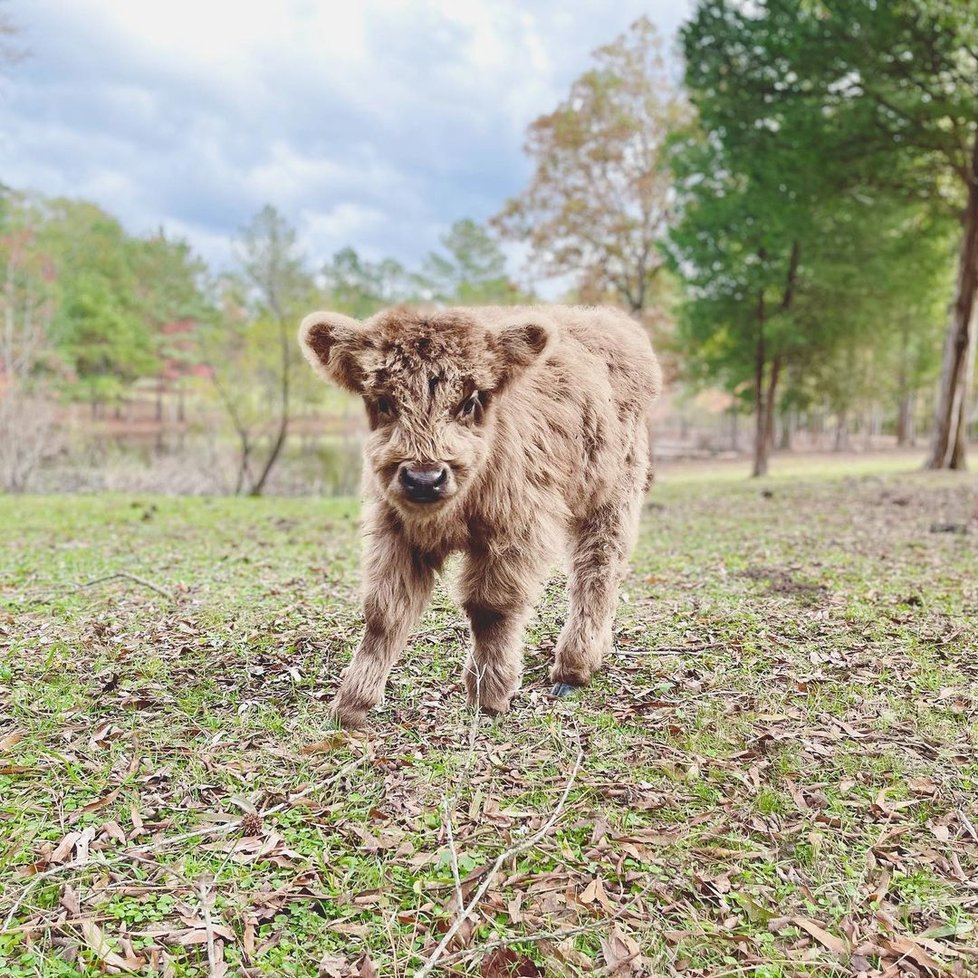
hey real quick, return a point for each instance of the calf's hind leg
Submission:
(600, 548)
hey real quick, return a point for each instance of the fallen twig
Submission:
(127, 575)
(456, 876)
(205, 910)
(513, 850)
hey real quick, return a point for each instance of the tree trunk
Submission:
(866, 423)
(7, 353)
(283, 422)
(958, 459)
(242, 463)
(905, 420)
(771, 400)
(787, 425)
(947, 448)
(762, 443)
(842, 431)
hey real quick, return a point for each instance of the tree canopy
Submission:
(599, 201)
(822, 159)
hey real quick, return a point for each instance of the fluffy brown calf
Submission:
(517, 436)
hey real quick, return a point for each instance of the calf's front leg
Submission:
(397, 583)
(497, 594)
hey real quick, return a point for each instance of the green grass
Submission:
(784, 739)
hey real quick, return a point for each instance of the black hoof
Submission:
(563, 689)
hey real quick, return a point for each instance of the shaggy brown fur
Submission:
(517, 436)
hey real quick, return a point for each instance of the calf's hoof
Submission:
(494, 711)
(348, 717)
(563, 689)
(491, 708)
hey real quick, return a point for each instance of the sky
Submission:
(371, 123)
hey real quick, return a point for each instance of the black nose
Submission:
(424, 483)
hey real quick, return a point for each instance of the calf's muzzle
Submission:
(423, 482)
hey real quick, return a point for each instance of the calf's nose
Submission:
(424, 483)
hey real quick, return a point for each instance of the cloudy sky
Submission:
(374, 123)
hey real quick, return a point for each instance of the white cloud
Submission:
(373, 123)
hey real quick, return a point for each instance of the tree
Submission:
(739, 248)
(359, 287)
(900, 79)
(600, 201)
(107, 346)
(170, 291)
(791, 170)
(10, 52)
(251, 345)
(27, 360)
(470, 269)
(741, 278)
(931, 105)
(100, 327)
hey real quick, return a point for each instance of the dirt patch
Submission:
(781, 581)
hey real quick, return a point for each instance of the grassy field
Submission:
(776, 774)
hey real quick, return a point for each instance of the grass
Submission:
(779, 774)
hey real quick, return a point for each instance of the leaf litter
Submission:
(778, 766)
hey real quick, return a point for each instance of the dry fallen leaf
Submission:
(97, 941)
(335, 740)
(69, 900)
(62, 852)
(333, 967)
(11, 739)
(906, 947)
(621, 953)
(94, 806)
(566, 952)
(366, 968)
(504, 962)
(590, 892)
(834, 944)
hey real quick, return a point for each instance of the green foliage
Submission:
(28, 295)
(469, 270)
(101, 297)
(360, 287)
(812, 240)
(106, 343)
(98, 327)
(171, 289)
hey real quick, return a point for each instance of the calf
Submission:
(518, 436)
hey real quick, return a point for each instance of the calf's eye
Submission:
(385, 407)
(471, 405)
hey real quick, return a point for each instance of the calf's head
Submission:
(430, 382)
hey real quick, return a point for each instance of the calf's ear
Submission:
(522, 343)
(334, 344)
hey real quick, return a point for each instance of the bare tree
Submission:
(11, 51)
(600, 197)
(273, 267)
(26, 361)
(251, 348)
